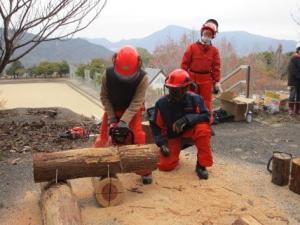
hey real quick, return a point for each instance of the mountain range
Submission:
(74, 51)
(243, 42)
(81, 50)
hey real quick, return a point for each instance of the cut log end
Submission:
(108, 191)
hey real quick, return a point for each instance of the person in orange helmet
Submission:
(202, 61)
(181, 114)
(123, 89)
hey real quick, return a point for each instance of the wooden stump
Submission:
(295, 176)
(59, 205)
(108, 191)
(281, 168)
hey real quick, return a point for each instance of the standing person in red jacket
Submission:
(181, 114)
(123, 89)
(202, 61)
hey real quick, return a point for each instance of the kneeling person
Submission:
(181, 114)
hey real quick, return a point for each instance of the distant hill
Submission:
(242, 41)
(73, 51)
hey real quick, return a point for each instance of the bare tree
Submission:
(228, 55)
(27, 23)
(168, 56)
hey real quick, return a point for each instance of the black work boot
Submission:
(147, 179)
(201, 172)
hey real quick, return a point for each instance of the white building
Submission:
(156, 78)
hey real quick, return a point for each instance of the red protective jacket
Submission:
(166, 113)
(202, 59)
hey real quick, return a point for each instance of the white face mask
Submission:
(206, 40)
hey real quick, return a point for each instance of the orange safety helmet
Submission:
(211, 25)
(127, 62)
(178, 78)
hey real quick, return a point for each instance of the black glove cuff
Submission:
(159, 140)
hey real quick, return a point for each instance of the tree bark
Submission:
(281, 169)
(295, 176)
(59, 206)
(94, 162)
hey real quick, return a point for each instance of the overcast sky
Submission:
(125, 19)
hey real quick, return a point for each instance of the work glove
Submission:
(179, 125)
(160, 140)
(165, 150)
(119, 132)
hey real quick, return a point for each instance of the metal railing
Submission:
(246, 80)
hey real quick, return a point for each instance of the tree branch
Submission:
(51, 20)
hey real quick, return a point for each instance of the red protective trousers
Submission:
(104, 140)
(205, 85)
(200, 134)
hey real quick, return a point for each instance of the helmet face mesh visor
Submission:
(176, 94)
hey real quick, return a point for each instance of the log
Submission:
(94, 162)
(59, 206)
(281, 168)
(295, 176)
(108, 191)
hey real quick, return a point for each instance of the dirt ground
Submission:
(238, 185)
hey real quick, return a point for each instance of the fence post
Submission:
(248, 82)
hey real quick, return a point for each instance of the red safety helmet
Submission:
(211, 25)
(178, 78)
(127, 62)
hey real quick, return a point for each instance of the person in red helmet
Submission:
(123, 89)
(202, 61)
(181, 114)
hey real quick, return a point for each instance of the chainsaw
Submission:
(74, 133)
(121, 135)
